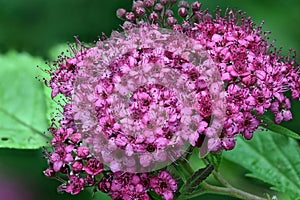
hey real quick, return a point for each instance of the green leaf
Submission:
(214, 159)
(183, 168)
(195, 160)
(280, 129)
(194, 181)
(22, 103)
(271, 158)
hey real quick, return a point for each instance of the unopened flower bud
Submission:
(121, 13)
(130, 16)
(149, 3)
(183, 4)
(169, 13)
(164, 2)
(140, 11)
(182, 12)
(137, 4)
(153, 17)
(158, 7)
(171, 21)
(77, 167)
(76, 137)
(186, 25)
(83, 152)
(49, 173)
(196, 6)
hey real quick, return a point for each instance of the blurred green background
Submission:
(35, 26)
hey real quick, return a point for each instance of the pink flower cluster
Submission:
(255, 76)
(123, 185)
(148, 103)
(73, 159)
(118, 111)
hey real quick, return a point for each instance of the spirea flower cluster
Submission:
(118, 122)
(255, 76)
(146, 103)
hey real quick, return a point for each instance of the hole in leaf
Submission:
(4, 139)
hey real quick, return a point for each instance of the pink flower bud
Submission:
(121, 13)
(196, 6)
(182, 12)
(83, 152)
(77, 167)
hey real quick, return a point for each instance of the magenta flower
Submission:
(75, 186)
(61, 136)
(125, 186)
(136, 101)
(61, 156)
(164, 185)
(93, 167)
(83, 152)
(77, 167)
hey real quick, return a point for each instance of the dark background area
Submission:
(35, 26)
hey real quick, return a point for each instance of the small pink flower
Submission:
(77, 167)
(164, 185)
(49, 172)
(228, 143)
(76, 138)
(249, 125)
(75, 186)
(61, 156)
(83, 152)
(93, 167)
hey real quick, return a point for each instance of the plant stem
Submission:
(227, 190)
(231, 191)
(218, 176)
(221, 180)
